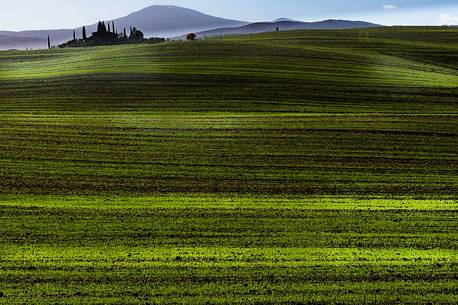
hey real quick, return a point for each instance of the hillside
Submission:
(384, 88)
(284, 25)
(293, 167)
(156, 20)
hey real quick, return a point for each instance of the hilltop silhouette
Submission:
(108, 34)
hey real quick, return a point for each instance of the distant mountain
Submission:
(156, 20)
(261, 27)
(168, 21)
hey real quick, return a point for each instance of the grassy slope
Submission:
(290, 161)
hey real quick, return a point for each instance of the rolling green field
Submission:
(302, 167)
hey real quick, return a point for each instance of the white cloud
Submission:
(389, 7)
(447, 19)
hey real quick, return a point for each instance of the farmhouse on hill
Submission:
(107, 34)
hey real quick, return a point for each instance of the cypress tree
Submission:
(104, 27)
(99, 27)
(84, 33)
(109, 30)
(49, 42)
(113, 27)
(74, 35)
(125, 34)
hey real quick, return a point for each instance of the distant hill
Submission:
(156, 20)
(13, 42)
(169, 21)
(261, 27)
(284, 19)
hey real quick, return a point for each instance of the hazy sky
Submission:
(50, 14)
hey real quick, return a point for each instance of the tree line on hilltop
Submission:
(107, 34)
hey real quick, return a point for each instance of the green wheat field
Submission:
(302, 167)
